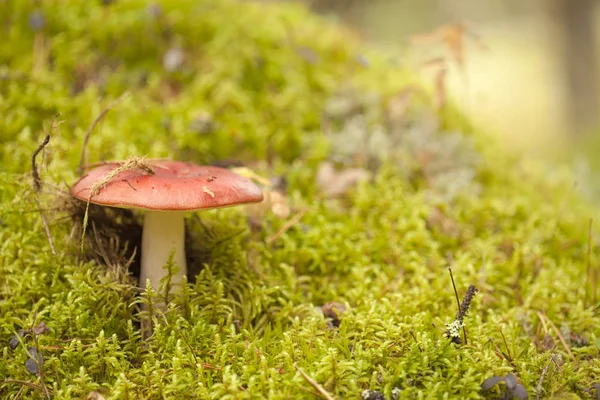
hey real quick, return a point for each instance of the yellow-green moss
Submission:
(275, 87)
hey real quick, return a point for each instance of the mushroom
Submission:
(165, 190)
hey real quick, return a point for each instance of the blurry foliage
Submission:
(274, 88)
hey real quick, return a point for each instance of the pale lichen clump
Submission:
(277, 90)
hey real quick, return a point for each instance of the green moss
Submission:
(276, 88)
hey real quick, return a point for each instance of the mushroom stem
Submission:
(163, 232)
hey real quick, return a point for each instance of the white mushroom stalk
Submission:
(163, 233)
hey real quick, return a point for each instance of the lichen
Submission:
(276, 89)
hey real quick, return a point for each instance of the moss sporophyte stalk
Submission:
(337, 287)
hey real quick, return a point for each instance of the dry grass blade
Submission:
(86, 138)
(24, 383)
(324, 394)
(37, 183)
(46, 227)
(557, 331)
(285, 227)
(539, 388)
(128, 165)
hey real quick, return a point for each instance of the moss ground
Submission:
(278, 90)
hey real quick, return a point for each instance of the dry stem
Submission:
(91, 128)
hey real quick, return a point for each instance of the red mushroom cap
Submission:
(174, 186)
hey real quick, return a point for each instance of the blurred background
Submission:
(526, 71)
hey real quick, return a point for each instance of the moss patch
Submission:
(276, 89)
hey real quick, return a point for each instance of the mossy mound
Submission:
(285, 93)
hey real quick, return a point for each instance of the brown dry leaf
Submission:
(40, 328)
(334, 183)
(548, 342)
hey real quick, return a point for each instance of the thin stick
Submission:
(314, 384)
(24, 383)
(539, 387)
(46, 227)
(292, 221)
(37, 182)
(182, 336)
(457, 301)
(91, 128)
(543, 321)
(588, 270)
(560, 336)
(505, 344)
(415, 339)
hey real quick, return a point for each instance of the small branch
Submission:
(452, 278)
(37, 182)
(91, 128)
(505, 344)
(324, 394)
(539, 387)
(458, 315)
(292, 221)
(557, 331)
(415, 339)
(24, 383)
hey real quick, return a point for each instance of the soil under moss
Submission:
(273, 88)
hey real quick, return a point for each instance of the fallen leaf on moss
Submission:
(40, 328)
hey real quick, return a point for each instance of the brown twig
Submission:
(457, 298)
(557, 331)
(37, 182)
(505, 344)
(24, 383)
(324, 394)
(285, 227)
(415, 339)
(86, 138)
(539, 387)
